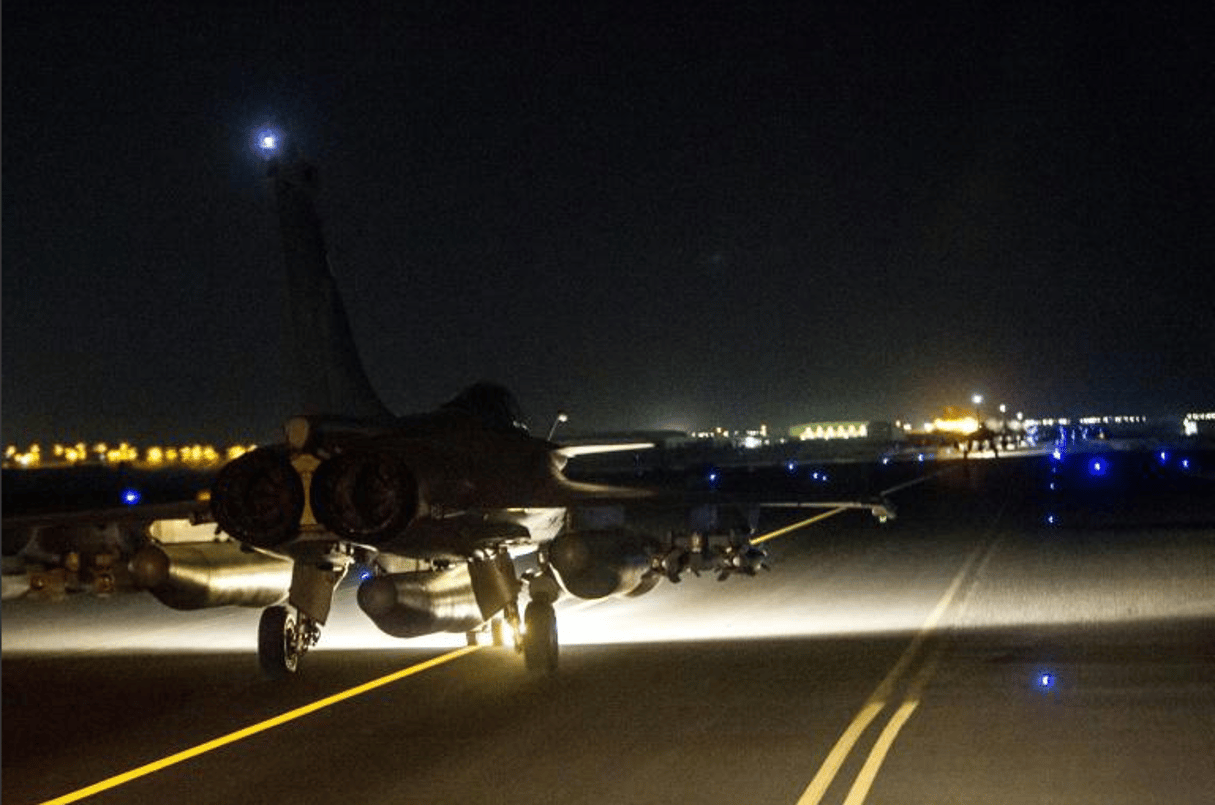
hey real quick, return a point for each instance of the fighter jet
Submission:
(434, 508)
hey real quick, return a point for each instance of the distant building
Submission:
(869, 431)
(1199, 424)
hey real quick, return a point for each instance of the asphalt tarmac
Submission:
(970, 651)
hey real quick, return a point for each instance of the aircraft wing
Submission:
(76, 528)
(574, 450)
(196, 511)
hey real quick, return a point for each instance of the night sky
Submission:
(650, 219)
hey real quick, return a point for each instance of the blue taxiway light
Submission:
(131, 496)
(269, 142)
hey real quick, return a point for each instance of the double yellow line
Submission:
(882, 696)
(299, 712)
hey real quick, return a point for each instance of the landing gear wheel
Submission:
(492, 633)
(282, 639)
(540, 638)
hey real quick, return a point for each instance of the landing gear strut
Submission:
(540, 648)
(284, 635)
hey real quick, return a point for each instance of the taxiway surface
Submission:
(968, 652)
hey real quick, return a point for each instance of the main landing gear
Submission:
(535, 633)
(284, 635)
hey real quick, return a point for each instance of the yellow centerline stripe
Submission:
(864, 780)
(835, 758)
(877, 755)
(254, 729)
(877, 700)
(868, 773)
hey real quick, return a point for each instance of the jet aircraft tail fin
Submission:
(329, 378)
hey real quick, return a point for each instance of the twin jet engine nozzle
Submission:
(267, 497)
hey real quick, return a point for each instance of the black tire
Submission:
(276, 642)
(540, 647)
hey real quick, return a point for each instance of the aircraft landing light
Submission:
(254, 729)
